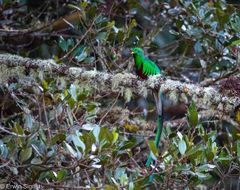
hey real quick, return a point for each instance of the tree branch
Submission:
(205, 97)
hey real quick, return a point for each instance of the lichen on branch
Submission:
(208, 98)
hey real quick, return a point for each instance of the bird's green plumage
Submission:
(145, 67)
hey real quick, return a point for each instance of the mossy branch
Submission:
(209, 98)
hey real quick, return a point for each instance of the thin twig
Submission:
(78, 43)
(110, 109)
(12, 133)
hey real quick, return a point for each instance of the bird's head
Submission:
(137, 51)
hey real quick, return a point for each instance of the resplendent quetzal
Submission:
(145, 67)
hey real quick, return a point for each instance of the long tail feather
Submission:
(157, 137)
(159, 105)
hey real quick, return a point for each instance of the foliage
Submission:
(61, 133)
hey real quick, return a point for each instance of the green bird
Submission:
(144, 68)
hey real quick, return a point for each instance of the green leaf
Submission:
(105, 135)
(119, 172)
(124, 179)
(89, 140)
(82, 96)
(96, 132)
(101, 36)
(80, 53)
(214, 148)
(206, 168)
(77, 142)
(36, 161)
(238, 149)
(65, 44)
(209, 155)
(233, 41)
(62, 174)
(201, 175)
(198, 47)
(182, 167)
(109, 187)
(37, 149)
(179, 134)
(28, 121)
(235, 23)
(42, 135)
(132, 24)
(236, 42)
(224, 157)
(131, 186)
(153, 149)
(71, 102)
(192, 115)
(45, 85)
(14, 170)
(3, 150)
(58, 138)
(195, 153)
(25, 154)
(18, 129)
(120, 36)
(71, 150)
(70, 116)
(182, 146)
(115, 135)
(73, 91)
(91, 106)
(128, 144)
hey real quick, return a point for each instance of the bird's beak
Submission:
(132, 52)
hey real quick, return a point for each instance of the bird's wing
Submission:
(149, 67)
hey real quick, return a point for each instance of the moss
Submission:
(153, 81)
(128, 94)
(142, 90)
(116, 81)
(174, 96)
(184, 98)
(10, 72)
(75, 72)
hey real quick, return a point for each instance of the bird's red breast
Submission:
(140, 73)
